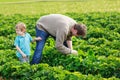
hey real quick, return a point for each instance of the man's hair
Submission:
(21, 26)
(81, 29)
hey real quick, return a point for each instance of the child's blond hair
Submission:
(21, 26)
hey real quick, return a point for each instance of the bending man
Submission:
(62, 28)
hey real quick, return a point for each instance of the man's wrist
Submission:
(70, 51)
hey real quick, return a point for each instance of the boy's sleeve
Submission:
(30, 38)
(16, 42)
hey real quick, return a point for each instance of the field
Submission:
(62, 7)
(99, 52)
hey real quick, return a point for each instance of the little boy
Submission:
(22, 42)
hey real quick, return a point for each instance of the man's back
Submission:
(54, 22)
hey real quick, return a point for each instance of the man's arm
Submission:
(60, 37)
(69, 44)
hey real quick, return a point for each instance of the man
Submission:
(62, 28)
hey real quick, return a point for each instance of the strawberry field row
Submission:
(98, 57)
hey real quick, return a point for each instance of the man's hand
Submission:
(74, 52)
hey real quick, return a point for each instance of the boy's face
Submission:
(19, 32)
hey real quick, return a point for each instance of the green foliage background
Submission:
(99, 52)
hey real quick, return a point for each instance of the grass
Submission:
(46, 7)
(12, 0)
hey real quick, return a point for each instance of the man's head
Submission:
(79, 30)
